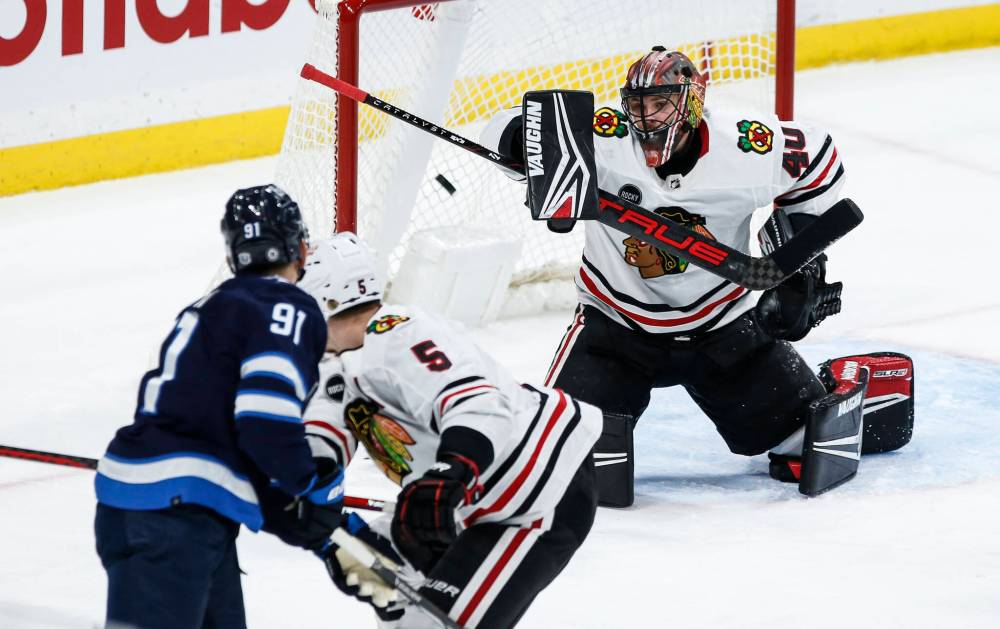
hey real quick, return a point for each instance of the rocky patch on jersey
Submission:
(383, 437)
(609, 123)
(385, 323)
(757, 137)
(653, 262)
(631, 193)
(335, 387)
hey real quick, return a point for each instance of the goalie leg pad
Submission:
(614, 462)
(888, 404)
(831, 451)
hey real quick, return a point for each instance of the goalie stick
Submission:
(357, 549)
(754, 273)
(82, 462)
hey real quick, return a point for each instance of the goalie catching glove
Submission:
(425, 525)
(356, 580)
(804, 300)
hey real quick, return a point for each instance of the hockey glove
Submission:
(328, 487)
(306, 521)
(324, 503)
(424, 525)
(800, 303)
(353, 579)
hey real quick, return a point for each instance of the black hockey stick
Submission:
(82, 462)
(360, 551)
(716, 257)
(49, 457)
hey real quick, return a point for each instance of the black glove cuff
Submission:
(466, 443)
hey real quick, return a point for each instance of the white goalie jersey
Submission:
(418, 375)
(746, 162)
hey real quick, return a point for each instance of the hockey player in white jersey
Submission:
(649, 319)
(497, 479)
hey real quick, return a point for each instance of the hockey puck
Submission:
(447, 185)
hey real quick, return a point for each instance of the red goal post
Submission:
(457, 61)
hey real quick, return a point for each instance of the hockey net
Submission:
(460, 61)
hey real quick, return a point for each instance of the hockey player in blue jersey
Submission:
(218, 439)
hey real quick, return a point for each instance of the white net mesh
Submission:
(458, 63)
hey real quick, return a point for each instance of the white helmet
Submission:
(340, 274)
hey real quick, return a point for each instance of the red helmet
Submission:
(662, 98)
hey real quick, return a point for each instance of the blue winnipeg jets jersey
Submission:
(223, 410)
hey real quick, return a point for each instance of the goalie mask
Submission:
(340, 274)
(662, 98)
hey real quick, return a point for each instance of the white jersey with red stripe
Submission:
(747, 161)
(415, 376)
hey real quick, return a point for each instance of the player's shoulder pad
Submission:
(610, 123)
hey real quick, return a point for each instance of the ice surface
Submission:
(94, 275)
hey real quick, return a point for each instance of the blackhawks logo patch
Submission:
(385, 323)
(383, 437)
(756, 137)
(653, 262)
(610, 123)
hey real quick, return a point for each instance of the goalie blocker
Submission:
(558, 149)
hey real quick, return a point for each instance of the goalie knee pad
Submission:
(831, 448)
(888, 403)
(614, 462)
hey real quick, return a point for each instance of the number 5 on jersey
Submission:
(428, 353)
